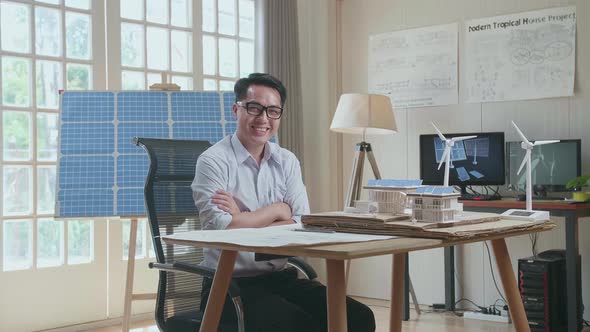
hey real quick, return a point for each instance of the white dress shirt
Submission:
(227, 165)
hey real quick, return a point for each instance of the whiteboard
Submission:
(528, 55)
(416, 67)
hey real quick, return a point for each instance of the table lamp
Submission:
(363, 114)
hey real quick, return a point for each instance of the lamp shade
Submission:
(359, 113)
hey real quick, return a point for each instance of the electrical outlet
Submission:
(481, 316)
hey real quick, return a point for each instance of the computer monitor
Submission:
(477, 161)
(552, 165)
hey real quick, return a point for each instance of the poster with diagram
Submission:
(520, 56)
(416, 67)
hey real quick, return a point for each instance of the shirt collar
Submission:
(242, 154)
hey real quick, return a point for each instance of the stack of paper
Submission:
(469, 224)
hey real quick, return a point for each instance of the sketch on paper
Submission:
(520, 56)
(416, 67)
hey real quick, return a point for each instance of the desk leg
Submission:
(406, 308)
(450, 278)
(130, 275)
(336, 294)
(223, 276)
(397, 292)
(571, 266)
(515, 304)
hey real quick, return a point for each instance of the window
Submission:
(156, 37)
(45, 46)
(228, 42)
(51, 45)
(140, 247)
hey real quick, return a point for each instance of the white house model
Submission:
(434, 204)
(388, 195)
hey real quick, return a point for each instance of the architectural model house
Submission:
(434, 204)
(389, 195)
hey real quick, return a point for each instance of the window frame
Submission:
(98, 80)
(256, 41)
(113, 12)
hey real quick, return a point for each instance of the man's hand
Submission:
(282, 222)
(283, 211)
(225, 201)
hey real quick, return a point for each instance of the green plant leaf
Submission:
(580, 181)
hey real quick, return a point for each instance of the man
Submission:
(245, 181)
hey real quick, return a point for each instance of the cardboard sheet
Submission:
(467, 225)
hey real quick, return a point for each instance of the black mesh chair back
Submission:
(171, 210)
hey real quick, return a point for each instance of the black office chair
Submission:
(171, 210)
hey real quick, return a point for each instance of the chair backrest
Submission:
(171, 210)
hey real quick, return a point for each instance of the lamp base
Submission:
(356, 178)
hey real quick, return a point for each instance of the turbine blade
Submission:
(460, 138)
(545, 142)
(440, 135)
(520, 133)
(524, 160)
(444, 156)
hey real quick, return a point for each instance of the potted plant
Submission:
(581, 187)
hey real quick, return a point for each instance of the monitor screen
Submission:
(552, 165)
(476, 161)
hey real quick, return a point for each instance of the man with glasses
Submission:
(245, 181)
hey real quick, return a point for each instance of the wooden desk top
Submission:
(355, 250)
(512, 203)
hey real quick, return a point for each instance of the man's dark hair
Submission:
(242, 85)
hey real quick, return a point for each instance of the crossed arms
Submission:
(218, 209)
(271, 215)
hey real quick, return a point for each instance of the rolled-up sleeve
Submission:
(296, 196)
(210, 176)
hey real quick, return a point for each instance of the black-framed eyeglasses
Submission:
(254, 108)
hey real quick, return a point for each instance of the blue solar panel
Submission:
(100, 171)
(394, 183)
(211, 132)
(457, 151)
(132, 170)
(228, 101)
(142, 106)
(196, 106)
(88, 107)
(126, 132)
(74, 203)
(442, 190)
(77, 138)
(425, 190)
(131, 201)
(86, 172)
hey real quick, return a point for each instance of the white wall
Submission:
(319, 74)
(398, 157)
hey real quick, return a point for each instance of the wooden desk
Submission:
(571, 211)
(335, 256)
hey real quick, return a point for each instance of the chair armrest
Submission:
(233, 289)
(302, 266)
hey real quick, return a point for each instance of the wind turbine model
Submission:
(446, 157)
(529, 213)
